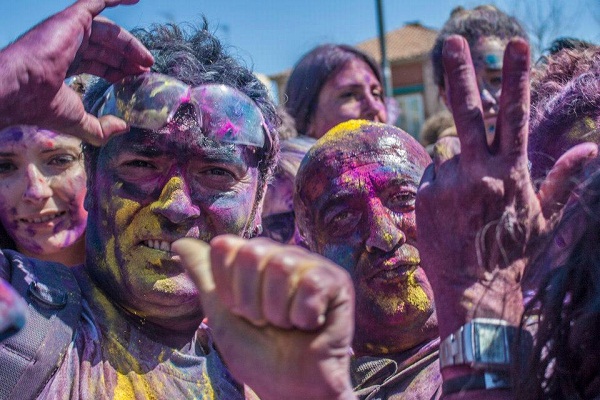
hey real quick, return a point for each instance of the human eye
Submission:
(377, 93)
(62, 160)
(6, 167)
(349, 95)
(138, 163)
(340, 222)
(402, 201)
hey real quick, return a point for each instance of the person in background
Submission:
(565, 106)
(42, 188)
(332, 84)
(487, 30)
(354, 203)
(437, 126)
(278, 220)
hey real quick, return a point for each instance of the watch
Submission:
(482, 343)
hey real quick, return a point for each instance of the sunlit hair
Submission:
(565, 89)
(566, 355)
(195, 56)
(312, 72)
(482, 21)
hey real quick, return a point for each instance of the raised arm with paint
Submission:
(73, 41)
(475, 260)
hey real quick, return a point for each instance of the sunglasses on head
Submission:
(151, 100)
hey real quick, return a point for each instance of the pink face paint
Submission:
(42, 187)
(152, 188)
(352, 93)
(358, 184)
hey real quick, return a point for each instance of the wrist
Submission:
(479, 301)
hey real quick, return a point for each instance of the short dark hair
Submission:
(310, 74)
(482, 21)
(195, 56)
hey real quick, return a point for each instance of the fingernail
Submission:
(518, 49)
(454, 44)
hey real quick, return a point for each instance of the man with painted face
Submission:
(354, 204)
(194, 165)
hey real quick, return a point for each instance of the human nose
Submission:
(384, 234)
(38, 187)
(372, 106)
(175, 202)
(489, 99)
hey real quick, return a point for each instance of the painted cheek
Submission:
(343, 255)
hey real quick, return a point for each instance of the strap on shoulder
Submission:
(29, 358)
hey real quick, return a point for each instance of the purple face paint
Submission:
(152, 188)
(356, 192)
(354, 92)
(42, 188)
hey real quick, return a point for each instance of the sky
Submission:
(271, 35)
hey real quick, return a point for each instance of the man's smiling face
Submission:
(151, 188)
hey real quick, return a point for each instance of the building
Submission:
(412, 74)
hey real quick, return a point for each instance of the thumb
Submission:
(195, 257)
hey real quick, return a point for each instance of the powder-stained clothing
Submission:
(415, 376)
(112, 357)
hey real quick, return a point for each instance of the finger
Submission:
(95, 7)
(195, 257)
(463, 95)
(119, 44)
(223, 254)
(277, 293)
(564, 177)
(247, 278)
(428, 177)
(321, 288)
(512, 125)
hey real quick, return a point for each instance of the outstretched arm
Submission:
(479, 219)
(73, 41)
(282, 317)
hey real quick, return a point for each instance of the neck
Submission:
(174, 333)
(70, 256)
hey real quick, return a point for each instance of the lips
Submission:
(41, 219)
(394, 267)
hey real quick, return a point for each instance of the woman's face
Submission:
(42, 188)
(352, 93)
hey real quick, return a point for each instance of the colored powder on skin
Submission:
(341, 130)
(410, 294)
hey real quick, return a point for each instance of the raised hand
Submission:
(282, 317)
(72, 41)
(479, 219)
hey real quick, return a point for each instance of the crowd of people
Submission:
(167, 231)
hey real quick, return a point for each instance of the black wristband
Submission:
(477, 381)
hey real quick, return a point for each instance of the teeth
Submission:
(158, 244)
(45, 218)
